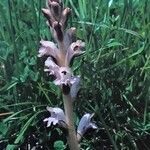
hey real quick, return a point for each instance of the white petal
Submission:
(53, 68)
(49, 45)
(57, 82)
(69, 37)
(42, 51)
(46, 119)
(55, 122)
(92, 126)
(77, 45)
(49, 109)
(50, 63)
(64, 76)
(52, 121)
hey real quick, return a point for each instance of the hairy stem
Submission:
(72, 139)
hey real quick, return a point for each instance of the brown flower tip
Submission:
(56, 10)
(46, 13)
(65, 15)
(58, 30)
(54, 2)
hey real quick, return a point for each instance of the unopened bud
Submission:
(65, 15)
(48, 16)
(56, 10)
(46, 13)
(58, 30)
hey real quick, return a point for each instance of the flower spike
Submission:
(58, 62)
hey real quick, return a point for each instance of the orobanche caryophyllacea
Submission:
(59, 57)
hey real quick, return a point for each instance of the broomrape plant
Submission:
(59, 57)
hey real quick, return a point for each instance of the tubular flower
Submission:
(48, 49)
(85, 124)
(63, 75)
(75, 49)
(57, 117)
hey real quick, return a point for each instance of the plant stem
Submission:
(72, 139)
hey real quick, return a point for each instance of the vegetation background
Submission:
(115, 72)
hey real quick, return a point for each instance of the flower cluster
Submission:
(61, 55)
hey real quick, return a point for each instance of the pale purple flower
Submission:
(63, 74)
(75, 49)
(85, 124)
(57, 117)
(51, 67)
(48, 49)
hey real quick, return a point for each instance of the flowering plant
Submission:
(60, 55)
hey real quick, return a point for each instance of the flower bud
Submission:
(58, 30)
(56, 10)
(65, 15)
(48, 16)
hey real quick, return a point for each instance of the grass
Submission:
(114, 70)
